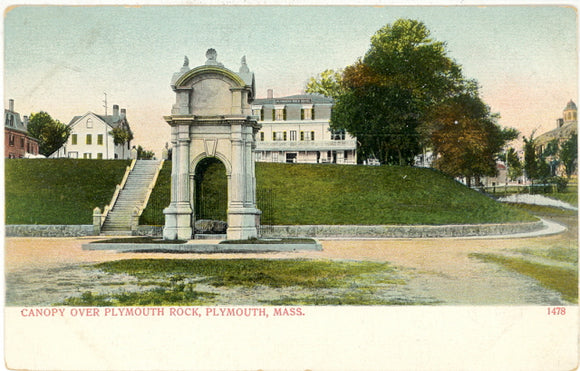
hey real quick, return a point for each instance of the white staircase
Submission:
(133, 196)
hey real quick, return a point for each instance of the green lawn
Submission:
(66, 191)
(174, 281)
(59, 191)
(570, 195)
(560, 279)
(338, 194)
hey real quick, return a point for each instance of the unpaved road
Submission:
(42, 271)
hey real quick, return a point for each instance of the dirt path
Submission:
(438, 269)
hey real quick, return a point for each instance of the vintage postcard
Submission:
(323, 186)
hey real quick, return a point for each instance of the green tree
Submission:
(569, 154)
(143, 154)
(531, 166)
(327, 83)
(121, 135)
(550, 157)
(384, 97)
(466, 138)
(515, 167)
(50, 133)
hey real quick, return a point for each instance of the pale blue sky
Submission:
(62, 59)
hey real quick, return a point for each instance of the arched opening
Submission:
(211, 190)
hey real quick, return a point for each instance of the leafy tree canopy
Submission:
(121, 135)
(569, 154)
(50, 133)
(143, 154)
(406, 94)
(466, 137)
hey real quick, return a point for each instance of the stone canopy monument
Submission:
(211, 118)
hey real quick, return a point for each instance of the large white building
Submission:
(91, 138)
(296, 129)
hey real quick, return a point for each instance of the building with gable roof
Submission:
(296, 129)
(90, 137)
(17, 142)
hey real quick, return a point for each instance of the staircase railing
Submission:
(118, 189)
(139, 209)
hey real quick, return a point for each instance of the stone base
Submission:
(243, 223)
(177, 223)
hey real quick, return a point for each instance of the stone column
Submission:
(178, 214)
(242, 213)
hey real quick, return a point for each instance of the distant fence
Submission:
(265, 203)
(526, 189)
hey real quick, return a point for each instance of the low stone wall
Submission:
(49, 230)
(397, 231)
(315, 231)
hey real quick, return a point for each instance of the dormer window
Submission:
(258, 111)
(307, 112)
(279, 113)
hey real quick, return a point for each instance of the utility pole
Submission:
(105, 105)
(106, 136)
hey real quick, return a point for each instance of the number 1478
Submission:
(556, 311)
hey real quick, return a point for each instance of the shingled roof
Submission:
(295, 99)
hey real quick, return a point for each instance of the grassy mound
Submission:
(337, 194)
(59, 191)
(65, 191)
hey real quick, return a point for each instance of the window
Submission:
(100, 139)
(275, 156)
(87, 155)
(21, 142)
(261, 136)
(292, 134)
(278, 135)
(100, 156)
(11, 140)
(338, 134)
(89, 139)
(285, 137)
(258, 112)
(90, 123)
(307, 112)
(73, 139)
(307, 135)
(279, 113)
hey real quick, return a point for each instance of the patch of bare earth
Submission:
(43, 271)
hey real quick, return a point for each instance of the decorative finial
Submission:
(186, 62)
(244, 67)
(211, 54)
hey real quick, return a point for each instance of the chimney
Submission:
(11, 105)
(270, 93)
(560, 122)
(25, 119)
(115, 112)
(123, 113)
